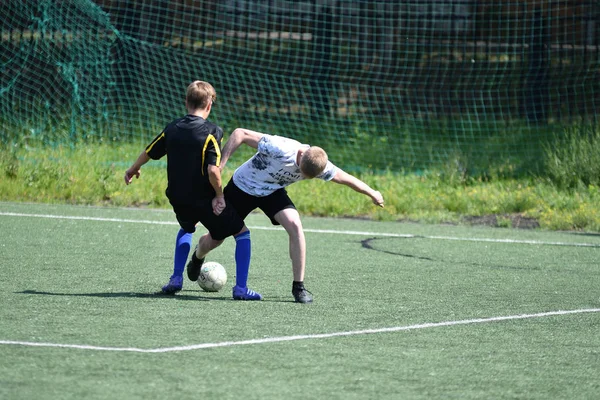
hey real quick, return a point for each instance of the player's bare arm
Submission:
(344, 178)
(238, 137)
(214, 176)
(134, 170)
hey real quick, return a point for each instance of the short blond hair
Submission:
(313, 162)
(199, 93)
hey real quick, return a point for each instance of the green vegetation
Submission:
(573, 159)
(565, 197)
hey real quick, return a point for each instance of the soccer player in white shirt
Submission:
(260, 183)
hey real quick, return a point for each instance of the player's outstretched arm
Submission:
(238, 137)
(344, 178)
(134, 170)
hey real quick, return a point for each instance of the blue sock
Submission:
(242, 258)
(182, 250)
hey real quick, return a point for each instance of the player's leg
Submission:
(240, 204)
(289, 218)
(205, 244)
(188, 217)
(182, 249)
(183, 244)
(281, 210)
(243, 251)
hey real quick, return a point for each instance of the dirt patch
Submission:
(503, 220)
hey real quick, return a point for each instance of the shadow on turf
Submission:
(157, 295)
(368, 244)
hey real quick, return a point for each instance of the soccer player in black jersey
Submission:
(192, 145)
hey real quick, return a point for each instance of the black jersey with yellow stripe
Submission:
(191, 144)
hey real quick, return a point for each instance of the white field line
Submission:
(338, 232)
(303, 337)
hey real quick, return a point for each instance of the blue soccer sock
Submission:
(182, 250)
(242, 258)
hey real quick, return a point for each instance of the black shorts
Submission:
(245, 203)
(228, 223)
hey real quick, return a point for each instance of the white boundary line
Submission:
(303, 337)
(270, 228)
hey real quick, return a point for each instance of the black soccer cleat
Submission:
(301, 295)
(193, 267)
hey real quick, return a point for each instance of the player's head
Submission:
(313, 162)
(200, 95)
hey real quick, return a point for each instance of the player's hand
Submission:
(129, 174)
(377, 199)
(218, 205)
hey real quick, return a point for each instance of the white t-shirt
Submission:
(274, 167)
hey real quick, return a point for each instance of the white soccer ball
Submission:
(212, 276)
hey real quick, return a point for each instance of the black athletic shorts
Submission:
(245, 203)
(228, 223)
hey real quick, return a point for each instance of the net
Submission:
(398, 85)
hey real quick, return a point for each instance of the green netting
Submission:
(400, 85)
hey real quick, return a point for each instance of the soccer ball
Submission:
(212, 276)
